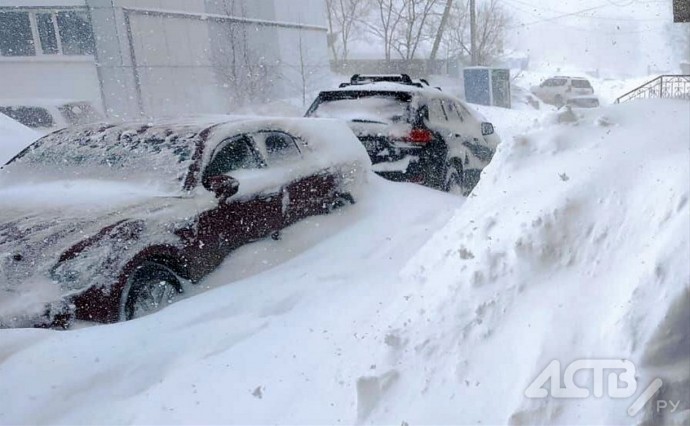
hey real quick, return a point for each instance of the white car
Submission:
(556, 90)
(48, 115)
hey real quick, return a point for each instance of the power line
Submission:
(564, 15)
(577, 15)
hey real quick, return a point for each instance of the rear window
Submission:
(362, 106)
(34, 117)
(581, 84)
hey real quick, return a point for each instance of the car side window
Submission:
(280, 146)
(463, 111)
(233, 154)
(436, 112)
(454, 113)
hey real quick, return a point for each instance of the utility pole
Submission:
(442, 26)
(473, 34)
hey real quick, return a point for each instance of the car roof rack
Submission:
(359, 79)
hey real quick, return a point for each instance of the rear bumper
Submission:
(415, 172)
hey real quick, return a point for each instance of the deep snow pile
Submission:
(574, 245)
(413, 307)
(13, 138)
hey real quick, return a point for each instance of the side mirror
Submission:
(487, 129)
(223, 186)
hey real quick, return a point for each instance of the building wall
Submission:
(55, 75)
(165, 57)
(55, 79)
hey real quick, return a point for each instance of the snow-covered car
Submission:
(48, 115)
(413, 132)
(556, 90)
(112, 222)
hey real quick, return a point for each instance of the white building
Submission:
(159, 57)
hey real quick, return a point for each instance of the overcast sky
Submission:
(616, 35)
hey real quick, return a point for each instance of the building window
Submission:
(16, 38)
(75, 33)
(46, 33)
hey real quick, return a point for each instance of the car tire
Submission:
(453, 181)
(150, 288)
(558, 101)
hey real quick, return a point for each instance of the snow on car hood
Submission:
(40, 222)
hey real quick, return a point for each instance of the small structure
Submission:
(487, 86)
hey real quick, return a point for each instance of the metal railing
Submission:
(664, 86)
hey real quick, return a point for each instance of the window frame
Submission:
(32, 31)
(248, 141)
(36, 38)
(453, 108)
(436, 105)
(33, 17)
(261, 146)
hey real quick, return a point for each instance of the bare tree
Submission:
(344, 17)
(383, 24)
(307, 72)
(242, 70)
(412, 30)
(491, 20)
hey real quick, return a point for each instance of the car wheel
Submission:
(558, 101)
(453, 181)
(151, 287)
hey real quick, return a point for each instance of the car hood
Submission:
(44, 224)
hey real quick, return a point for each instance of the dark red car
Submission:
(111, 222)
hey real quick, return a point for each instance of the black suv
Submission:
(412, 131)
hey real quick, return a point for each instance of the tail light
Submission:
(420, 136)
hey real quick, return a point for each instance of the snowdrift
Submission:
(13, 138)
(575, 245)
(413, 307)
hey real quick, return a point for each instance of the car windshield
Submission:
(362, 106)
(156, 156)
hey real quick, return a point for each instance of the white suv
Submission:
(556, 90)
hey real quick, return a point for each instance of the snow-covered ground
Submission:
(416, 306)
(13, 138)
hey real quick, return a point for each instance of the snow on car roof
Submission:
(384, 86)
